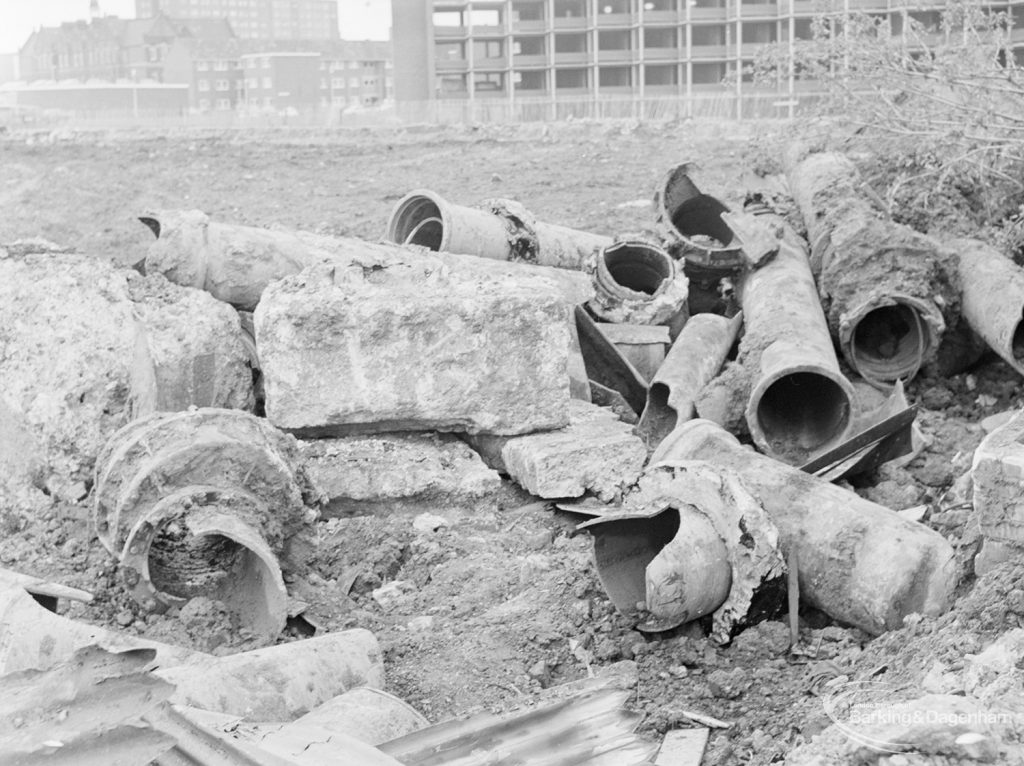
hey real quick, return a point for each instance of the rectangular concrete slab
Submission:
(596, 453)
(378, 346)
(404, 472)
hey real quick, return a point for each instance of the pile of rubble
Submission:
(241, 384)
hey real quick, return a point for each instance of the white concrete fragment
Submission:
(597, 452)
(383, 472)
(376, 346)
(997, 475)
(189, 350)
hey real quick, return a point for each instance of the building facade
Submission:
(559, 49)
(256, 19)
(219, 71)
(110, 48)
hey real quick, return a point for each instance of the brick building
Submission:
(110, 48)
(256, 19)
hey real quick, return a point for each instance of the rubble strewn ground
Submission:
(480, 604)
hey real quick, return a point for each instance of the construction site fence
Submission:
(710, 106)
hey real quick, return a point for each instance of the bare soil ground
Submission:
(504, 601)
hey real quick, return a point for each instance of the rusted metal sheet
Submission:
(587, 729)
(606, 365)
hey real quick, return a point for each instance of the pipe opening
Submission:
(418, 220)
(693, 213)
(659, 420)
(701, 216)
(152, 224)
(638, 267)
(1018, 341)
(185, 565)
(802, 412)
(622, 551)
(890, 342)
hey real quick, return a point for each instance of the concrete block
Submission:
(391, 472)
(75, 331)
(996, 474)
(383, 346)
(66, 339)
(189, 351)
(597, 452)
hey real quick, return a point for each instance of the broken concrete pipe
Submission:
(691, 542)
(992, 300)
(282, 682)
(638, 283)
(232, 263)
(888, 290)
(365, 713)
(202, 503)
(859, 562)
(693, 361)
(800, 404)
(501, 229)
(33, 637)
(694, 231)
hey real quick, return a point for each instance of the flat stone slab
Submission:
(397, 471)
(379, 345)
(997, 475)
(596, 453)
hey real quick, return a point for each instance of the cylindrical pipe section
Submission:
(426, 219)
(563, 248)
(34, 638)
(691, 576)
(692, 224)
(282, 682)
(993, 299)
(859, 562)
(502, 230)
(800, 403)
(368, 714)
(888, 291)
(667, 568)
(195, 543)
(693, 361)
(202, 503)
(637, 283)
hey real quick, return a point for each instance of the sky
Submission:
(360, 19)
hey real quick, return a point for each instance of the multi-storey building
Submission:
(554, 49)
(341, 74)
(256, 19)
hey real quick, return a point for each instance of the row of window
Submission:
(218, 65)
(706, 73)
(669, 37)
(267, 82)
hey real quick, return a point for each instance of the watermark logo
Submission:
(857, 709)
(880, 716)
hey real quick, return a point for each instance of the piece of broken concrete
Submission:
(378, 346)
(387, 472)
(282, 682)
(595, 453)
(997, 476)
(189, 351)
(70, 327)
